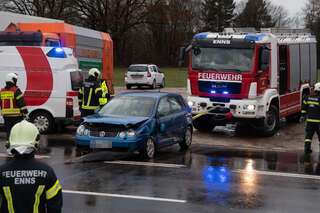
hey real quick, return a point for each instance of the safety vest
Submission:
(103, 100)
(9, 102)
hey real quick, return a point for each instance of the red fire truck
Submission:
(254, 77)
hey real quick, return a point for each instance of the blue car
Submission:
(138, 121)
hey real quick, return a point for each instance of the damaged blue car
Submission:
(138, 122)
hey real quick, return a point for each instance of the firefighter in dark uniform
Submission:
(13, 107)
(311, 111)
(89, 93)
(28, 185)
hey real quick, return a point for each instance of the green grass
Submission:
(175, 77)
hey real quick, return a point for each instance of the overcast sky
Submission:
(292, 6)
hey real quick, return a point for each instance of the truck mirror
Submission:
(181, 56)
(264, 58)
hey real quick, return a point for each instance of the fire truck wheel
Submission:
(187, 139)
(43, 121)
(271, 122)
(203, 125)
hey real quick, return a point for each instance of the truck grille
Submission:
(104, 130)
(219, 87)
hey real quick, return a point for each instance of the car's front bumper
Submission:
(130, 144)
(142, 81)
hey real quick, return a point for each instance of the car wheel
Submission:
(153, 86)
(162, 83)
(149, 148)
(43, 121)
(128, 86)
(187, 139)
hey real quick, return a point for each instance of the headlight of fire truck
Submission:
(191, 103)
(80, 129)
(249, 107)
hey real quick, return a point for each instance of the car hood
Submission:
(114, 119)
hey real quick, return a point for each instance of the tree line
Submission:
(151, 31)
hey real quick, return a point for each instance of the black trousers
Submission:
(9, 122)
(86, 112)
(311, 128)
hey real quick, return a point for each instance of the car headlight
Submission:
(86, 132)
(122, 134)
(131, 133)
(191, 103)
(80, 129)
(249, 107)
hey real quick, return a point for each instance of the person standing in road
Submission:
(28, 185)
(311, 111)
(89, 93)
(13, 107)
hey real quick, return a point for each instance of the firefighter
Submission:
(311, 111)
(28, 185)
(105, 93)
(89, 93)
(13, 107)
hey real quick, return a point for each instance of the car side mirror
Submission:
(162, 127)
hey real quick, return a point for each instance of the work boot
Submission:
(307, 147)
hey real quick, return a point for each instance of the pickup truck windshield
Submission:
(223, 59)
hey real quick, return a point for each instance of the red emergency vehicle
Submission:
(254, 77)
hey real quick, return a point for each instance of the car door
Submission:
(165, 122)
(158, 75)
(179, 113)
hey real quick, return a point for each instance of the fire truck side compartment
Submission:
(304, 62)
(313, 63)
(294, 67)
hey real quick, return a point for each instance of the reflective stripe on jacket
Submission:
(27, 185)
(89, 94)
(12, 102)
(311, 107)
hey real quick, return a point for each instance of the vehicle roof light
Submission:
(57, 52)
(225, 92)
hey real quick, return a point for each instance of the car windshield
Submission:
(129, 106)
(223, 59)
(138, 69)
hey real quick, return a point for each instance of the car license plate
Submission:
(100, 144)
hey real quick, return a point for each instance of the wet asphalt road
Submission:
(206, 178)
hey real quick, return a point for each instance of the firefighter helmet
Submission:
(317, 87)
(94, 72)
(24, 137)
(12, 77)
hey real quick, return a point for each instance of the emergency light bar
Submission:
(57, 52)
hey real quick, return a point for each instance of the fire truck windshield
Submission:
(223, 59)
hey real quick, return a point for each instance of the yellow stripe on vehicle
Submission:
(313, 120)
(205, 112)
(19, 96)
(53, 191)
(7, 194)
(37, 199)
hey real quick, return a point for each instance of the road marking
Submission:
(5, 155)
(136, 163)
(281, 174)
(124, 196)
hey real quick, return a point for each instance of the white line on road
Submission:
(281, 174)
(124, 196)
(5, 155)
(146, 164)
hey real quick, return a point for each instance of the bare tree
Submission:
(57, 9)
(279, 15)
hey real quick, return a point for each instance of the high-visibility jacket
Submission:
(105, 94)
(28, 185)
(311, 107)
(12, 102)
(89, 94)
